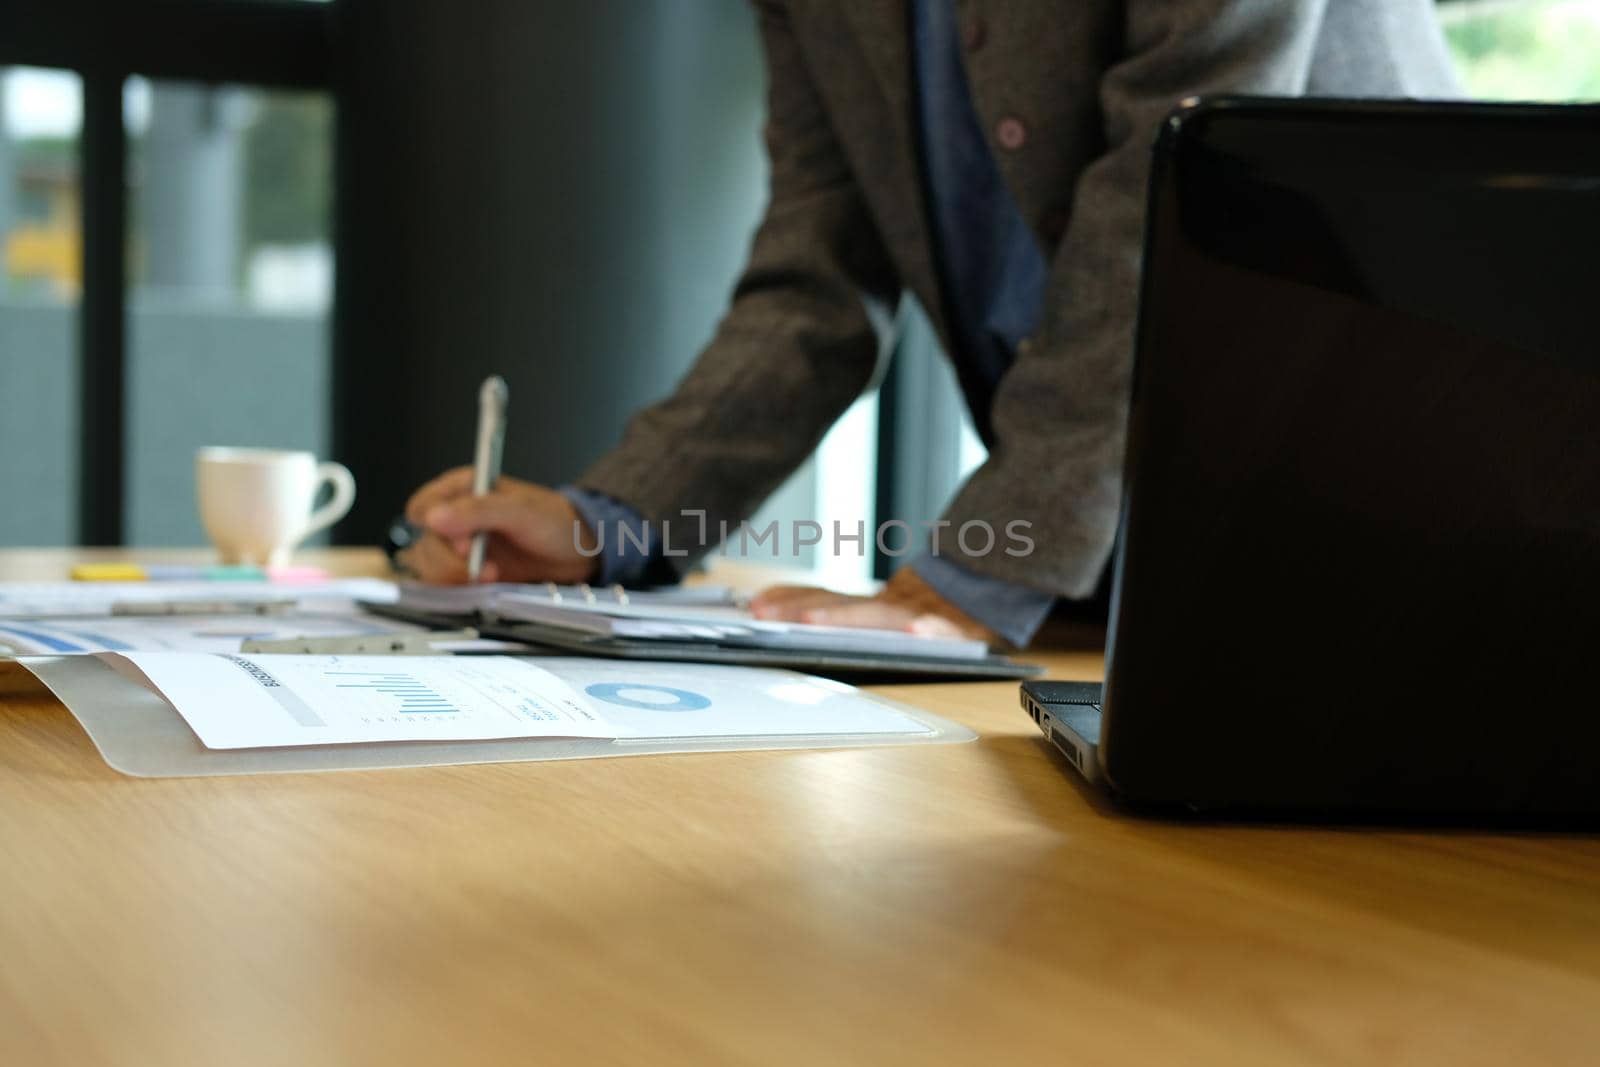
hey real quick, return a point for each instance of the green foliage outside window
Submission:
(1526, 49)
(288, 152)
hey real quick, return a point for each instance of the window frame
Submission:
(282, 44)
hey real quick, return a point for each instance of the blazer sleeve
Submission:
(798, 344)
(1060, 413)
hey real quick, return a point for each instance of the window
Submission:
(1526, 50)
(41, 115)
(82, 412)
(230, 281)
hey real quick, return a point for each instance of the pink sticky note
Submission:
(290, 575)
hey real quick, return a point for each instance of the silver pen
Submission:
(486, 458)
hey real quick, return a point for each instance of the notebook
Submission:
(696, 624)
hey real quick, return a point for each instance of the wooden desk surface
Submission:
(945, 904)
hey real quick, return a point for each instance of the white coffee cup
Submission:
(256, 503)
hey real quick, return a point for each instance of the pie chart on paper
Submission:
(646, 697)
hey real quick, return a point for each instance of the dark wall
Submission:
(557, 192)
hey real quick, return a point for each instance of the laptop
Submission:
(1358, 567)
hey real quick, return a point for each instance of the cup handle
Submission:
(343, 482)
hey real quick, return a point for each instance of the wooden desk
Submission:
(960, 904)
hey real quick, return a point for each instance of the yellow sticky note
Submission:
(108, 572)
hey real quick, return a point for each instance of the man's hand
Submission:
(905, 603)
(535, 533)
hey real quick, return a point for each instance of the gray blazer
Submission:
(1078, 87)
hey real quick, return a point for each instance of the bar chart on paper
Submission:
(408, 695)
(237, 701)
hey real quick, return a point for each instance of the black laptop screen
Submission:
(1363, 503)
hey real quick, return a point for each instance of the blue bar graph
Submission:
(412, 697)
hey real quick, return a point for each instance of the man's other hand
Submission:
(534, 533)
(905, 603)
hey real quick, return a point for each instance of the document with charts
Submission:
(273, 701)
(238, 701)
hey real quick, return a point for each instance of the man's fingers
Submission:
(450, 484)
(466, 515)
(436, 562)
(823, 607)
(874, 614)
(936, 626)
(787, 603)
(773, 595)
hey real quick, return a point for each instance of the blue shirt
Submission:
(991, 269)
(992, 272)
(993, 276)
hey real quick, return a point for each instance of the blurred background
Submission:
(318, 225)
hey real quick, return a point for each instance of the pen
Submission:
(492, 397)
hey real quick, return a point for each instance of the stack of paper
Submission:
(57, 636)
(66, 618)
(37, 600)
